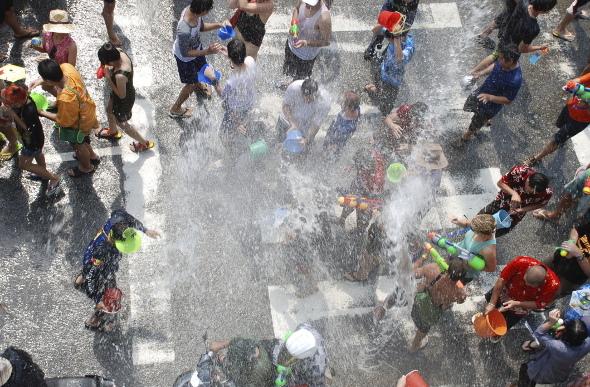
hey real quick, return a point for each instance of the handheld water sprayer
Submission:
(282, 373)
(586, 189)
(474, 260)
(437, 258)
(356, 202)
(579, 90)
(563, 252)
(100, 72)
(295, 29)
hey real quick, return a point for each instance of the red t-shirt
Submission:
(374, 181)
(516, 288)
(579, 113)
(516, 179)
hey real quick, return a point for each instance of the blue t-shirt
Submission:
(392, 71)
(500, 83)
(341, 130)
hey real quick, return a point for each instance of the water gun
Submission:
(282, 373)
(295, 29)
(437, 258)
(474, 260)
(356, 202)
(535, 58)
(100, 72)
(579, 90)
(563, 252)
(586, 189)
(553, 330)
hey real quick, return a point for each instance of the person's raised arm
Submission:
(72, 54)
(489, 256)
(255, 7)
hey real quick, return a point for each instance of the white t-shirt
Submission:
(305, 114)
(238, 92)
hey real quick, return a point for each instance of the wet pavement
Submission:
(219, 267)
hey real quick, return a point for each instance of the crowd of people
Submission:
(524, 285)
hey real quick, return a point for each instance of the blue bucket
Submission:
(202, 78)
(292, 142)
(226, 32)
(503, 219)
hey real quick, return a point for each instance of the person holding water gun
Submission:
(480, 240)
(573, 119)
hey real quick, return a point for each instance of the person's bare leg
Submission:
(561, 28)
(566, 202)
(418, 337)
(38, 169)
(549, 148)
(90, 151)
(186, 92)
(132, 132)
(366, 263)
(108, 13)
(111, 118)
(83, 156)
(12, 140)
(10, 20)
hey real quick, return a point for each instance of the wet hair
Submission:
(457, 269)
(118, 229)
(536, 275)
(236, 51)
(483, 224)
(309, 86)
(49, 70)
(364, 160)
(108, 53)
(575, 332)
(199, 6)
(419, 110)
(543, 5)
(351, 100)
(510, 51)
(15, 95)
(538, 181)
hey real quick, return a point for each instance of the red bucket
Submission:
(413, 379)
(112, 299)
(389, 19)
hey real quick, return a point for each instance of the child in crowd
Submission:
(7, 133)
(57, 42)
(344, 126)
(401, 129)
(119, 74)
(23, 111)
(388, 72)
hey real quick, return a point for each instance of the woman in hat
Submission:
(57, 41)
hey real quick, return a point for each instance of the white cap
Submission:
(301, 344)
(311, 2)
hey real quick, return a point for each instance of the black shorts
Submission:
(422, 326)
(568, 127)
(86, 140)
(296, 67)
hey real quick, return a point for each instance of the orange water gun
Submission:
(356, 202)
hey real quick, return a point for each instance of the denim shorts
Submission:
(25, 152)
(189, 71)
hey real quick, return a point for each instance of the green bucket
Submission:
(39, 100)
(395, 172)
(258, 150)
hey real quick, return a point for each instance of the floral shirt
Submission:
(516, 180)
(60, 50)
(516, 288)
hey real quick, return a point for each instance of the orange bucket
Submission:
(389, 19)
(413, 379)
(494, 324)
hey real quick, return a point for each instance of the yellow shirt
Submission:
(68, 108)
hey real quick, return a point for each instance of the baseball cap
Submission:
(311, 2)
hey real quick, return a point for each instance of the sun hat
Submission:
(130, 243)
(5, 370)
(311, 2)
(59, 22)
(430, 156)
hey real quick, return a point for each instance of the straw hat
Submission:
(5, 370)
(59, 22)
(430, 156)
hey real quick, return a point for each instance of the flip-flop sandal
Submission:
(139, 147)
(582, 15)
(76, 172)
(423, 344)
(31, 34)
(531, 161)
(181, 115)
(571, 38)
(51, 190)
(542, 215)
(99, 134)
(94, 162)
(32, 176)
(579, 170)
(10, 156)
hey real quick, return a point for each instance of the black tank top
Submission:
(251, 28)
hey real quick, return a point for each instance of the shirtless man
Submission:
(444, 291)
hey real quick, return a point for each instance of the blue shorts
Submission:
(189, 71)
(568, 127)
(30, 153)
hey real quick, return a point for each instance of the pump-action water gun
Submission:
(295, 29)
(562, 251)
(100, 72)
(579, 90)
(356, 202)
(282, 373)
(474, 260)
(437, 258)
(586, 189)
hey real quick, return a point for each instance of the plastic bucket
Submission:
(226, 32)
(112, 299)
(202, 78)
(503, 219)
(389, 19)
(413, 379)
(395, 172)
(494, 324)
(39, 100)
(292, 143)
(258, 150)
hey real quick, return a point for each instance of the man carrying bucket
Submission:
(102, 256)
(521, 190)
(524, 284)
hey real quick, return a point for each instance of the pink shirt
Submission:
(61, 54)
